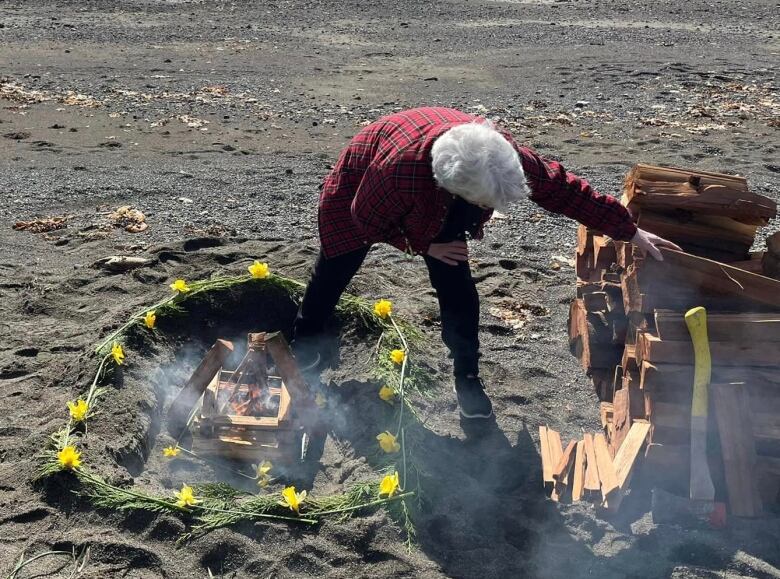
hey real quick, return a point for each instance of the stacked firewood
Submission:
(627, 328)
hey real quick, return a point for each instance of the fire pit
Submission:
(250, 413)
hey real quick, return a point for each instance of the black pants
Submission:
(455, 290)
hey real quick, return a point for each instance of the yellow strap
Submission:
(696, 320)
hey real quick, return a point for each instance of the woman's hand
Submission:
(650, 243)
(450, 253)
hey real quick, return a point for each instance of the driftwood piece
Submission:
(122, 263)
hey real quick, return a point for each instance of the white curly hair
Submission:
(474, 161)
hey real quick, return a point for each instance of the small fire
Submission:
(254, 401)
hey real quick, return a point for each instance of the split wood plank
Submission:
(689, 228)
(287, 367)
(591, 466)
(621, 420)
(739, 353)
(677, 379)
(259, 422)
(712, 277)
(556, 451)
(747, 327)
(607, 476)
(763, 413)
(547, 464)
(607, 411)
(561, 470)
(669, 189)
(625, 461)
(737, 447)
(188, 396)
(578, 483)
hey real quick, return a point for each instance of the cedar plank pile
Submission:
(627, 328)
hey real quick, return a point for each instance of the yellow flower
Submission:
(389, 485)
(259, 270)
(171, 451)
(264, 468)
(388, 442)
(292, 499)
(263, 478)
(78, 410)
(387, 394)
(150, 319)
(383, 308)
(69, 457)
(180, 286)
(397, 356)
(118, 353)
(320, 400)
(185, 497)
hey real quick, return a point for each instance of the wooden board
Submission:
(182, 407)
(591, 466)
(671, 422)
(287, 367)
(737, 447)
(721, 327)
(621, 420)
(738, 353)
(578, 483)
(561, 470)
(676, 379)
(712, 277)
(607, 474)
(669, 189)
(544, 451)
(625, 461)
(556, 452)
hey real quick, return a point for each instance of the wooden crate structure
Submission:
(277, 431)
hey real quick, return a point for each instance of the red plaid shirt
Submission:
(382, 188)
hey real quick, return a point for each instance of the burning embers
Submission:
(249, 390)
(246, 413)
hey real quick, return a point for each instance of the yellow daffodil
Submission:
(320, 400)
(186, 498)
(292, 499)
(259, 270)
(69, 458)
(389, 485)
(388, 442)
(397, 356)
(383, 308)
(78, 410)
(180, 286)
(171, 451)
(263, 478)
(118, 353)
(150, 319)
(387, 394)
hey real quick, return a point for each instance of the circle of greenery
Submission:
(215, 505)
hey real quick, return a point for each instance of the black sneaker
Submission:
(472, 398)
